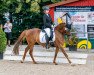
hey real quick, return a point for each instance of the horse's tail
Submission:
(16, 46)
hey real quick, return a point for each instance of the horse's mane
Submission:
(60, 27)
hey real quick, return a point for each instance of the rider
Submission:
(47, 21)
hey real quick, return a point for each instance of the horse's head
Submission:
(62, 29)
(68, 22)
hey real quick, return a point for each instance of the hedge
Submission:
(3, 41)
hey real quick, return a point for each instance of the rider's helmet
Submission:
(45, 8)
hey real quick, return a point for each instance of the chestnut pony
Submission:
(32, 37)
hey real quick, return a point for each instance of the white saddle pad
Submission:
(42, 35)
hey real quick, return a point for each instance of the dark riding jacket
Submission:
(47, 21)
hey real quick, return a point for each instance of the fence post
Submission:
(87, 40)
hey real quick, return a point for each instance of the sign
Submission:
(74, 8)
(90, 28)
(81, 17)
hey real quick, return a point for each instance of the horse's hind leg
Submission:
(26, 50)
(56, 52)
(63, 51)
(31, 54)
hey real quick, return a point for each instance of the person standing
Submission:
(7, 30)
(47, 21)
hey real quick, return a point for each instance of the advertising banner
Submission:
(82, 19)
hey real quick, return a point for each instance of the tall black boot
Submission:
(47, 41)
(51, 37)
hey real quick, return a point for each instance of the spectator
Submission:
(7, 30)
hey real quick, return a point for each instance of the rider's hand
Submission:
(52, 26)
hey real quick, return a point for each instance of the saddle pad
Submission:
(42, 35)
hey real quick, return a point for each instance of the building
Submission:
(82, 12)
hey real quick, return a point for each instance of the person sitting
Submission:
(47, 21)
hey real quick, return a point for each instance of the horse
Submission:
(32, 37)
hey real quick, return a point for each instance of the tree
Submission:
(24, 14)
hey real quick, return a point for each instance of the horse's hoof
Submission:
(55, 63)
(73, 64)
(34, 62)
(21, 61)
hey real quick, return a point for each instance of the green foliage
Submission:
(74, 39)
(34, 7)
(25, 14)
(27, 1)
(54, 1)
(18, 9)
(2, 41)
(17, 5)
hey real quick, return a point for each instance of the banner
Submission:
(74, 8)
(81, 17)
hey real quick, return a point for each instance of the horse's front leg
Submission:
(56, 52)
(26, 50)
(63, 51)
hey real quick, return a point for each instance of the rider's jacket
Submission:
(47, 21)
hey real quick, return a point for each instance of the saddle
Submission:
(46, 32)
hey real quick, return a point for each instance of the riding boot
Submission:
(47, 41)
(51, 37)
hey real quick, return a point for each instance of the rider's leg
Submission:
(51, 37)
(47, 41)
